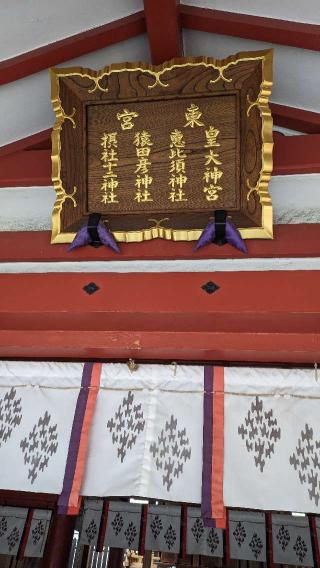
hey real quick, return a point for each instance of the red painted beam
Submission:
(71, 47)
(295, 34)
(249, 348)
(26, 168)
(130, 301)
(296, 118)
(292, 155)
(297, 241)
(271, 316)
(296, 154)
(39, 141)
(26, 499)
(164, 29)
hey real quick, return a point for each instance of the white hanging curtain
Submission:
(247, 536)
(291, 540)
(142, 433)
(12, 522)
(38, 533)
(37, 406)
(207, 541)
(271, 439)
(92, 512)
(163, 529)
(146, 435)
(123, 526)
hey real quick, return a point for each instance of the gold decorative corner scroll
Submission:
(97, 85)
(158, 81)
(252, 189)
(70, 117)
(221, 71)
(61, 194)
(252, 104)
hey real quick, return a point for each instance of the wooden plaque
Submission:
(156, 150)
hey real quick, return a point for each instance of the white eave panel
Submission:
(295, 198)
(28, 24)
(210, 266)
(294, 68)
(294, 10)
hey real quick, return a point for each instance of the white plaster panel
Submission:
(160, 266)
(286, 131)
(296, 80)
(26, 208)
(25, 105)
(295, 10)
(296, 199)
(28, 24)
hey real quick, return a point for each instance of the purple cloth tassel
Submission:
(233, 236)
(82, 238)
(106, 237)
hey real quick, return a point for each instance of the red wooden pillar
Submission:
(115, 559)
(85, 556)
(168, 559)
(164, 29)
(59, 541)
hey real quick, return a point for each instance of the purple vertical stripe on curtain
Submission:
(75, 439)
(206, 511)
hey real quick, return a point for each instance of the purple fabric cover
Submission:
(106, 237)
(82, 238)
(233, 236)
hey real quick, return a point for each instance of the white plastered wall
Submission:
(295, 198)
(25, 104)
(29, 24)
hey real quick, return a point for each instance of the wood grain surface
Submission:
(161, 103)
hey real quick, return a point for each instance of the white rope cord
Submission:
(183, 391)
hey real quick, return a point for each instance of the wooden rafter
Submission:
(295, 34)
(71, 47)
(296, 154)
(26, 168)
(164, 29)
(296, 118)
(39, 141)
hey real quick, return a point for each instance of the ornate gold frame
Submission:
(262, 102)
